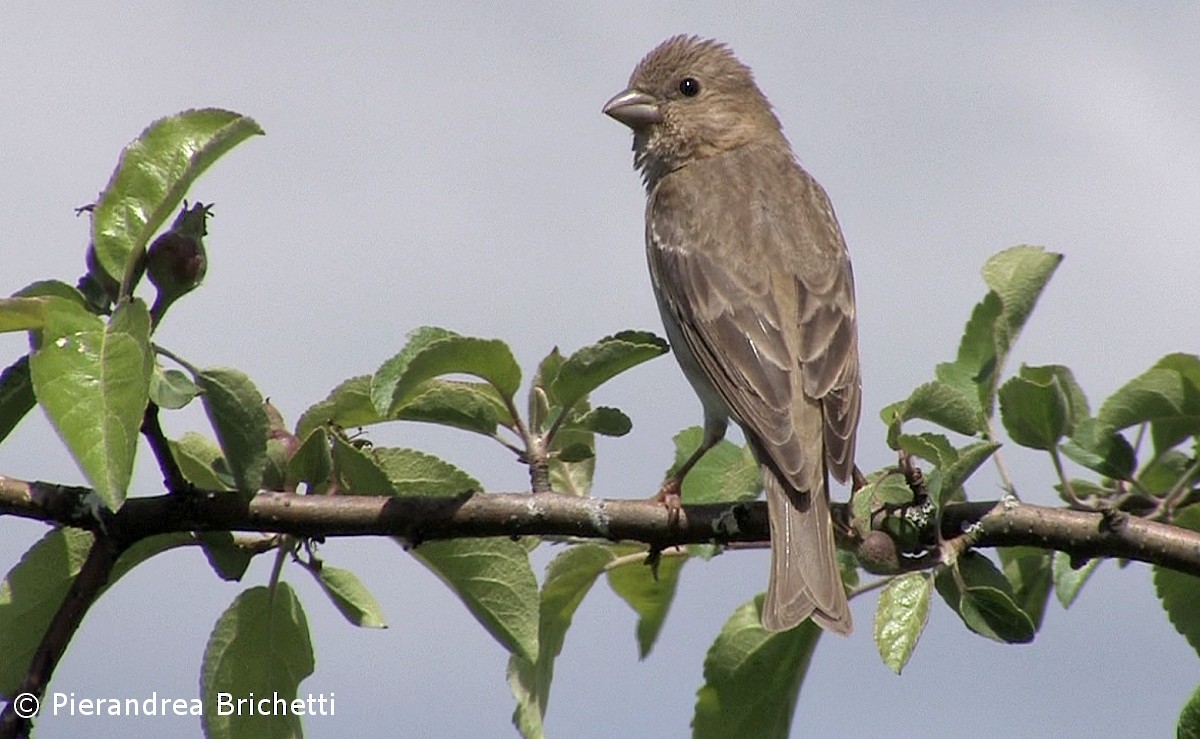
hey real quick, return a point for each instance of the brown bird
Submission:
(754, 285)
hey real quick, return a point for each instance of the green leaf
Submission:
(592, 366)
(1077, 403)
(16, 395)
(890, 489)
(1035, 415)
(1015, 278)
(605, 421)
(940, 403)
(281, 443)
(883, 490)
(934, 448)
(848, 568)
(1018, 275)
(1155, 394)
(61, 317)
(569, 577)
(29, 307)
(348, 405)
(171, 389)
(573, 447)
(900, 618)
(52, 289)
(1180, 593)
(1163, 472)
(33, 590)
(576, 453)
(153, 175)
(201, 462)
(94, 385)
(278, 443)
(970, 458)
(235, 409)
(312, 464)
(31, 594)
(1101, 450)
(752, 677)
(1028, 571)
(955, 465)
(1189, 718)
(986, 602)
(541, 390)
(471, 406)
(144, 550)
(22, 314)
(1085, 489)
(260, 645)
(975, 370)
(571, 470)
(993, 613)
(1068, 580)
(1167, 432)
(493, 579)
(383, 382)
(351, 597)
(728, 473)
(410, 472)
(225, 557)
(648, 591)
(432, 352)
(357, 472)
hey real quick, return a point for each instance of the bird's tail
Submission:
(805, 580)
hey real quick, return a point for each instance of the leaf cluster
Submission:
(1139, 450)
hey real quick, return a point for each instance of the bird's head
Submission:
(688, 99)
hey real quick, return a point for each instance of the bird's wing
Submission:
(750, 263)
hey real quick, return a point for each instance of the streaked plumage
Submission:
(756, 293)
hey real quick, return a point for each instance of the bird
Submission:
(754, 285)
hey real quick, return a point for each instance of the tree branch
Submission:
(92, 577)
(1081, 534)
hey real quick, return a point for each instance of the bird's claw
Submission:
(669, 496)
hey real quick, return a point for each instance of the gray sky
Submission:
(451, 167)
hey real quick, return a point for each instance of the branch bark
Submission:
(995, 524)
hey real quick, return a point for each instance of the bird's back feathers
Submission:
(755, 274)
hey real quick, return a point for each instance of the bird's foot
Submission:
(669, 496)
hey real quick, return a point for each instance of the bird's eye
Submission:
(689, 87)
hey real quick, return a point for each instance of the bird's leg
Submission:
(841, 522)
(669, 493)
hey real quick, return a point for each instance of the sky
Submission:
(449, 165)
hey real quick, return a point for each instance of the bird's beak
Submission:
(634, 108)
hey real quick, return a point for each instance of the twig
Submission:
(173, 477)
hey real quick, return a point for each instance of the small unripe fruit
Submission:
(176, 262)
(877, 554)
